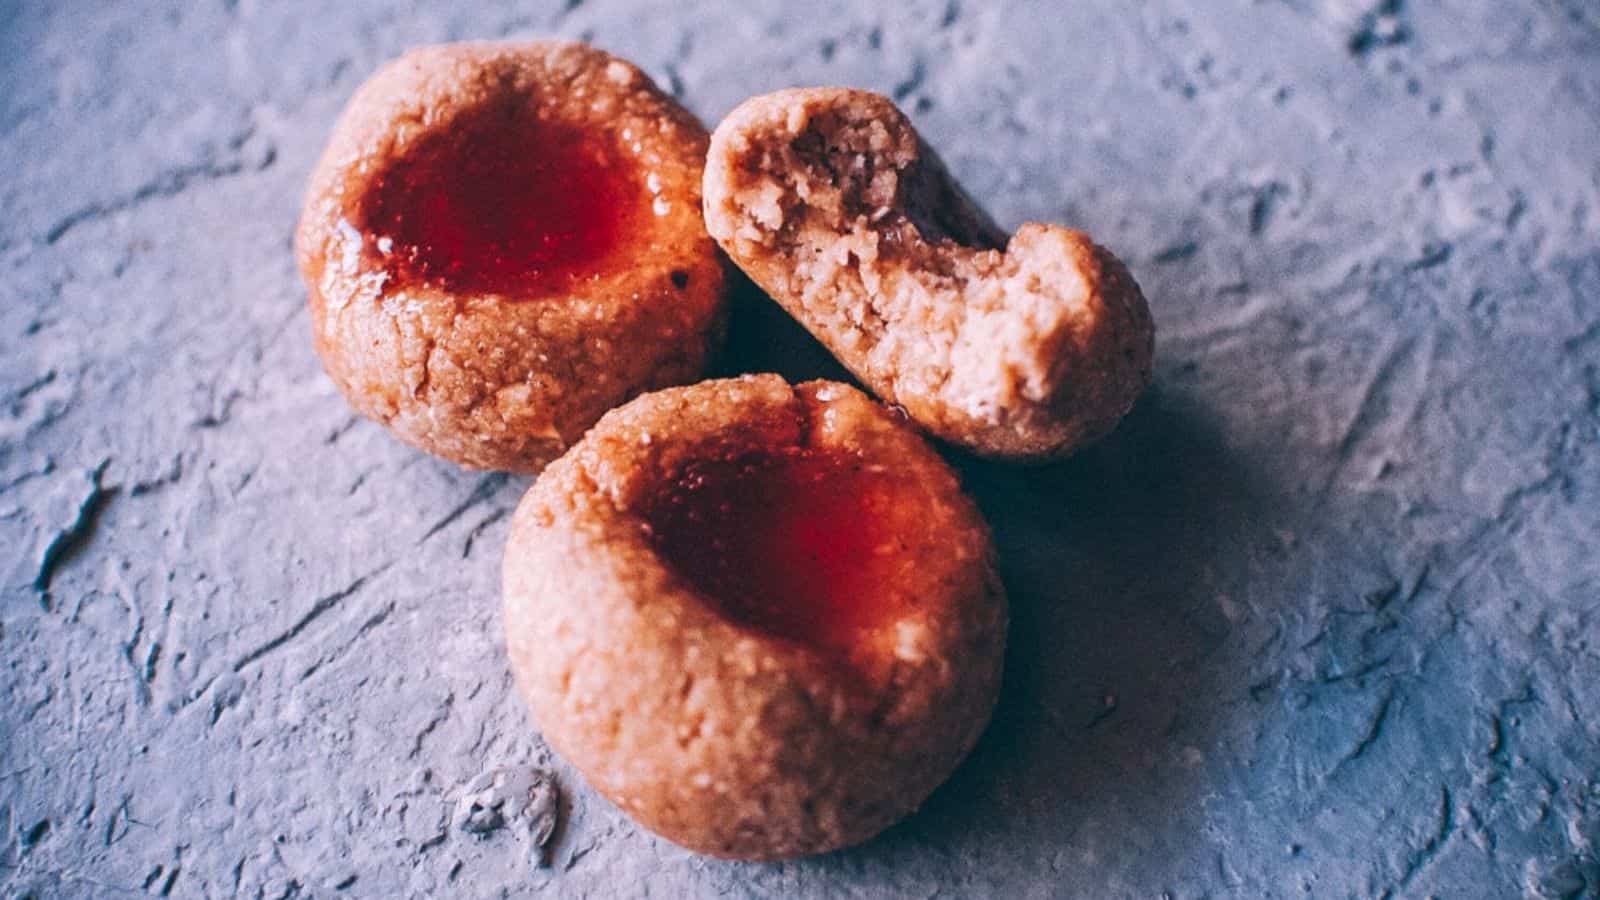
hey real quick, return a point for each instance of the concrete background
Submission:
(1320, 620)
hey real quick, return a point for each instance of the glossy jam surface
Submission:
(796, 542)
(500, 202)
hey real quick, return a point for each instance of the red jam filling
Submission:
(498, 202)
(795, 542)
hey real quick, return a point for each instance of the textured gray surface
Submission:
(1321, 619)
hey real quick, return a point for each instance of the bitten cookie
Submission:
(763, 620)
(1024, 348)
(503, 241)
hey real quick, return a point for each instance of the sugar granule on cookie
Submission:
(763, 620)
(504, 240)
(1021, 348)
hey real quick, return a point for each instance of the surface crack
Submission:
(1424, 855)
(72, 536)
(320, 608)
(167, 184)
(1375, 726)
(486, 488)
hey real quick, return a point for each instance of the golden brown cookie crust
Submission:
(484, 379)
(719, 737)
(1024, 348)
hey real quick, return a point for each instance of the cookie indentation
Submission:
(796, 542)
(492, 245)
(502, 203)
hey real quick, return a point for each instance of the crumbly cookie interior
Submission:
(1023, 347)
